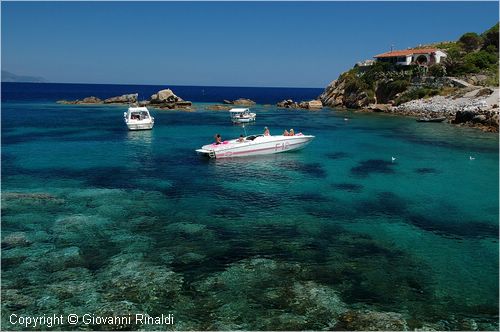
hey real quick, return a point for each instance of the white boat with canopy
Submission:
(138, 118)
(255, 145)
(242, 115)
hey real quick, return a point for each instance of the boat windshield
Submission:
(139, 115)
(252, 137)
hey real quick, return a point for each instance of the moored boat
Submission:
(255, 145)
(138, 118)
(440, 119)
(242, 115)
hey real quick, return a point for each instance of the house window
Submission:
(402, 59)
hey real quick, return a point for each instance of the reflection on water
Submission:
(140, 137)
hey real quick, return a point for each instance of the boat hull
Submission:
(140, 126)
(264, 146)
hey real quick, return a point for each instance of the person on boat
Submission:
(285, 133)
(241, 139)
(266, 132)
(292, 133)
(218, 139)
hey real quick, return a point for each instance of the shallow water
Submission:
(96, 219)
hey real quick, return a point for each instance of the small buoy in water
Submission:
(392, 159)
(346, 119)
(471, 158)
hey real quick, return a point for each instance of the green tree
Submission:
(470, 41)
(490, 37)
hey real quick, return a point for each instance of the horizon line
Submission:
(183, 85)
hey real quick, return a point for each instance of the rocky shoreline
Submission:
(472, 107)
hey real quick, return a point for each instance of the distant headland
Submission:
(11, 77)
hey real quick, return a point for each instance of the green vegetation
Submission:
(383, 81)
(417, 94)
(473, 54)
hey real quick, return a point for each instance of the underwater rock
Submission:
(251, 287)
(218, 108)
(13, 256)
(128, 277)
(351, 187)
(425, 170)
(191, 257)
(337, 155)
(16, 239)
(17, 195)
(14, 300)
(367, 167)
(368, 320)
(184, 227)
(62, 259)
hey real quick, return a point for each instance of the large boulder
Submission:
(123, 99)
(287, 103)
(167, 99)
(164, 96)
(311, 104)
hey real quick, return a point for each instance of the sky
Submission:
(283, 44)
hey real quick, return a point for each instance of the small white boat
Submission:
(254, 145)
(242, 115)
(138, 118)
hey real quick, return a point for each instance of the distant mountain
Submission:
(10, 77)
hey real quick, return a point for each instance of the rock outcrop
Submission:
(87, 100)
(162, 99)
(311, 104)
(334, 94)
(167, 99)
(287, 103)
(123, 99)
(218, 107)
(240, 102)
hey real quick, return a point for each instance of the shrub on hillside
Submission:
(470, 41)
(437, 70)
(480, 60)
(388, 90)
(416, 94)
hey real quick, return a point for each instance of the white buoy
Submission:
(392, 158)
(471, 158)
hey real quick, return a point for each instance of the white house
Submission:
(422, 57)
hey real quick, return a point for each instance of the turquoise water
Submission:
(96, 219)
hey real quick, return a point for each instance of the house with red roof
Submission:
(418, 56)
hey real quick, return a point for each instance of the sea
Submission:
(380, 223)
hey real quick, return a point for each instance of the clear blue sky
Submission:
(296, 44)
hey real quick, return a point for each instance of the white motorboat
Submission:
(255, 145)
(138, 118)
(242, 115)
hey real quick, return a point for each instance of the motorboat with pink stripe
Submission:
(255, 145)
